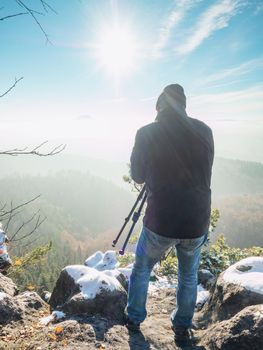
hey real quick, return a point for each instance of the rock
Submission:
(30, 300)
(74, 330)
(7, 285)
(235, 289)
(243, 331)
(10, 309)
(64, 289)
(81, 289)
(206, 278)
(108, 304)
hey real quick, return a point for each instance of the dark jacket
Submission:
(174, 157)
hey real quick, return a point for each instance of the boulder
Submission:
(81, 289)
(29, 301)
(206, 278)
(7, 285)
(243, 331)
(10, 309)
(241, 285)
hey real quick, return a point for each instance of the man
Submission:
(173, 156)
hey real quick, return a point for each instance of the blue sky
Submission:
(213, 48)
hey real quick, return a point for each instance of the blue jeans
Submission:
(150, 249)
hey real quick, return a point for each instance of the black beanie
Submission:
(176, 92)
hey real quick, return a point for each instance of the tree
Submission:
(10, 212)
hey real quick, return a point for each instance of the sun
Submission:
(117, 51)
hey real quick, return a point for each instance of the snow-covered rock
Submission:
(102, 261)
(239, 286)
(91, 281)
(83, 289)
(94, 259)
(5, 261)
(248, 273)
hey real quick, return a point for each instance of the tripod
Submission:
(135, 216)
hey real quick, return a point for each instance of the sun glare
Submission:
(117, 51)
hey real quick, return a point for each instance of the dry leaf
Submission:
(59, 330)
(52, 336)
(18, 262)
(30, 287)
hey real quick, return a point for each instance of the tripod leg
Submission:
(129, 216)
(135, 218)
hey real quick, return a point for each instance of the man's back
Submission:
(174, 157)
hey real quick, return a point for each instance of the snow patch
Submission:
(161, 283)
(248, 273)
(3, 295)
(259, 313)
(164, 283)
(92, 281)
(202, 296)
(55, 316)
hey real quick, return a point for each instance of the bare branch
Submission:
(14, 15)
(47, 7)
(24, 223)
(38, 223)
(11, 87)
(2, 208)
(35, 151)
(10, 217)
(33, 15)
(32, 241)
(18, 207)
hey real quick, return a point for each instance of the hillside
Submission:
(235, 177)
(229, 176)
(85, 211)
(83, 214)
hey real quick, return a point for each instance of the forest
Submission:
(83, 212)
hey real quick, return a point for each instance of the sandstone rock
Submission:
(74, 330)
(7, 285)
(108, 304)
(241, 332)
(81, 289)
(10, 309)
(64, 289)
(236, 289)
(29, 301)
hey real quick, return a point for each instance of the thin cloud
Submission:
(242, 69)
(214, 18)
(258, 9)
(236, 104)
(174, 18)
